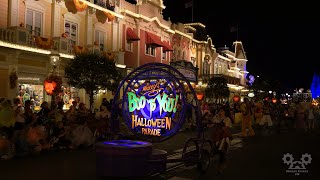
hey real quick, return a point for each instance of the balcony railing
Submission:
(230, 79)
(22, 36)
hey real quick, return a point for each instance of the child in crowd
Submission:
(59, 136)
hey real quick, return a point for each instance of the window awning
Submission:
(154, 40)
(131, 35)
(166, 46)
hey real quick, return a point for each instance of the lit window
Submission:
(34, 22)
(99, 39)
(150, 50)
(71, 32)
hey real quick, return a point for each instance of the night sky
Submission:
(281, 41)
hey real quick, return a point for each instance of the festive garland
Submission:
(13, 79)
(52, 84)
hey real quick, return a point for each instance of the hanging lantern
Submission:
(49, 87)
(52, 84)
(274, 100)
(236, 98)
(200, 96)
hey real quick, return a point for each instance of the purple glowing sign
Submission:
(152, 107)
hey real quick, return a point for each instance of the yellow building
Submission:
(35, 35)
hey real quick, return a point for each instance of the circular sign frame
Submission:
(153, 102)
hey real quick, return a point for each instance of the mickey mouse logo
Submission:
(297, 165)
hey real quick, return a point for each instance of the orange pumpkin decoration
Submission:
(70, 5)
(80, 5)
(109, 55)
(109, 16)
(101, 16)
(44, 43)
(79, 49)
(49, 87)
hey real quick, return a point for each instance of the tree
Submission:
(217, 88)
(261, 87)
(92, 72)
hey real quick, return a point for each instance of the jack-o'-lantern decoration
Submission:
(44, 43)
(52, 84)
(109, 55)
(79, 49)
(109, 16)
(80, 5)
(236, 98)
(71, 6)
(274, 100)
(75, 5)
(101, 16)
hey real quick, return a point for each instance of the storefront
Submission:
(31, 88)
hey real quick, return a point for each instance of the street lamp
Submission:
(54, 61)
(270, 92)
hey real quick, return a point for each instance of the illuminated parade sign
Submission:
(153, 106)
(154, 99)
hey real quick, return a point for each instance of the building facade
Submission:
(36, 35)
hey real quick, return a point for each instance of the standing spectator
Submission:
(29, 116)
(221, 135)
(77, 99)
(82, 113)
(44, 114)
(18, 114)
(71, 114)
(310, 117)
(59, 114)
(246, 113)
(300, 117)
(7, 119)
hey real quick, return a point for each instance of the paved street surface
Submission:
(255, 158)
(261, 158)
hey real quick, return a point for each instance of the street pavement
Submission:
(261, 157)
(258, 157)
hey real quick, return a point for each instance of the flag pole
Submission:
(192, 12)
(237, 32)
